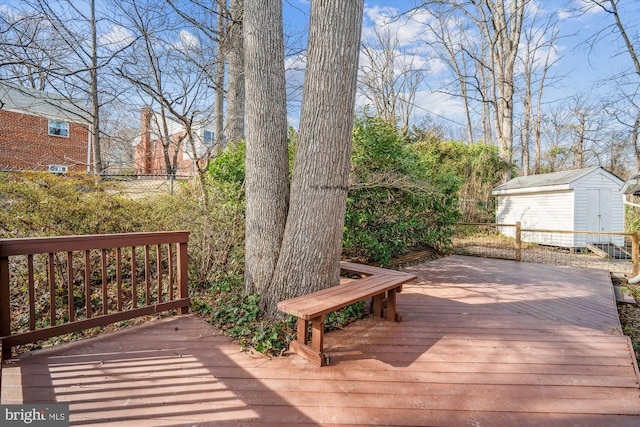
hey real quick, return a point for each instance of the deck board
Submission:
(482, 342)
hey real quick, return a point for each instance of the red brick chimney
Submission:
(144, 148)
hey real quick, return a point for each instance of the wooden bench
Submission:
(379, 284)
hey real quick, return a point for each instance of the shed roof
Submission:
(39, 103)
(555, 179)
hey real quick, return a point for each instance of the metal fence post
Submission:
(518, 242)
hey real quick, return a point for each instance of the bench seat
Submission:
(379, 284)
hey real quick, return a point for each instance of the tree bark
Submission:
(218, 114)
(634, 140)
(95, 105)
(311, 248)
(267, 167)
(236, 76)
(504, 29)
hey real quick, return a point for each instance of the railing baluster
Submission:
(70, 302)
(147, 274)
(183, 281)
(103, 263)
(134, 278)
(47, 250)
(87, 282)
(159, 271)
(52, 290)
(171, 282)
(32, 293)
(5, 307)
(119, 277)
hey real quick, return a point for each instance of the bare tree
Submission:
(227, 34)
(579, 135)
(628, 83)
(53, 53)
(497, 28)
(24, 59)
(502, 27)
(121, 131)
(537, 60)
(450, 40)
(389, 78)
(169, 66)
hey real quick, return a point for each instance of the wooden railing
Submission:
(52, 286)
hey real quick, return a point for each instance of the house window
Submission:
(208, 138)
(58, 128)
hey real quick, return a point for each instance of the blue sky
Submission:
(583, 68)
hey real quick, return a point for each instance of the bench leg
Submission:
(378, 302)
(303, 327)
(392, 314)
(317, 333)
(311, 351)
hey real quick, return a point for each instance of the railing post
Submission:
(518, 242)
(635, 252)
(183, 279)
(5, 306)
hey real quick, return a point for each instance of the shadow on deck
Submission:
(482, 342)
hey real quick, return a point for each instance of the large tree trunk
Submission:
(95, 106)
(218, 112)
(236, 87)
(310, 255)
(634, 140)
(506, 23)
(267, 168)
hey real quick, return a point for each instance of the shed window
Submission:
(58, 128)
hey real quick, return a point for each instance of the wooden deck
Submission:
(482, 343)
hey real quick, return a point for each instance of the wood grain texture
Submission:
(482, 342)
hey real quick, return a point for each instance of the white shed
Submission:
(578, 200)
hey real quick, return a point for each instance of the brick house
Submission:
(42, 131)
(148, 149)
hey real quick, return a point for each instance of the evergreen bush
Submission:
(396, 200)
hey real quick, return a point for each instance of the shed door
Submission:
(598, 213)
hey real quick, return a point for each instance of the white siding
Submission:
(550, 211)
(615, 215)
(565, 210)
(541, 211)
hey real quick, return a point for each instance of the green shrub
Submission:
(396, 200)
(35, 204)
(228, 167)
(477, 166)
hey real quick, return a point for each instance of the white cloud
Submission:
(437, 66)
(439, 104)
(578, 9)
(408, 28)
(187, 41)
(117, 36)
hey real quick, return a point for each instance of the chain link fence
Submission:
(140, 186)
(615, 252)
